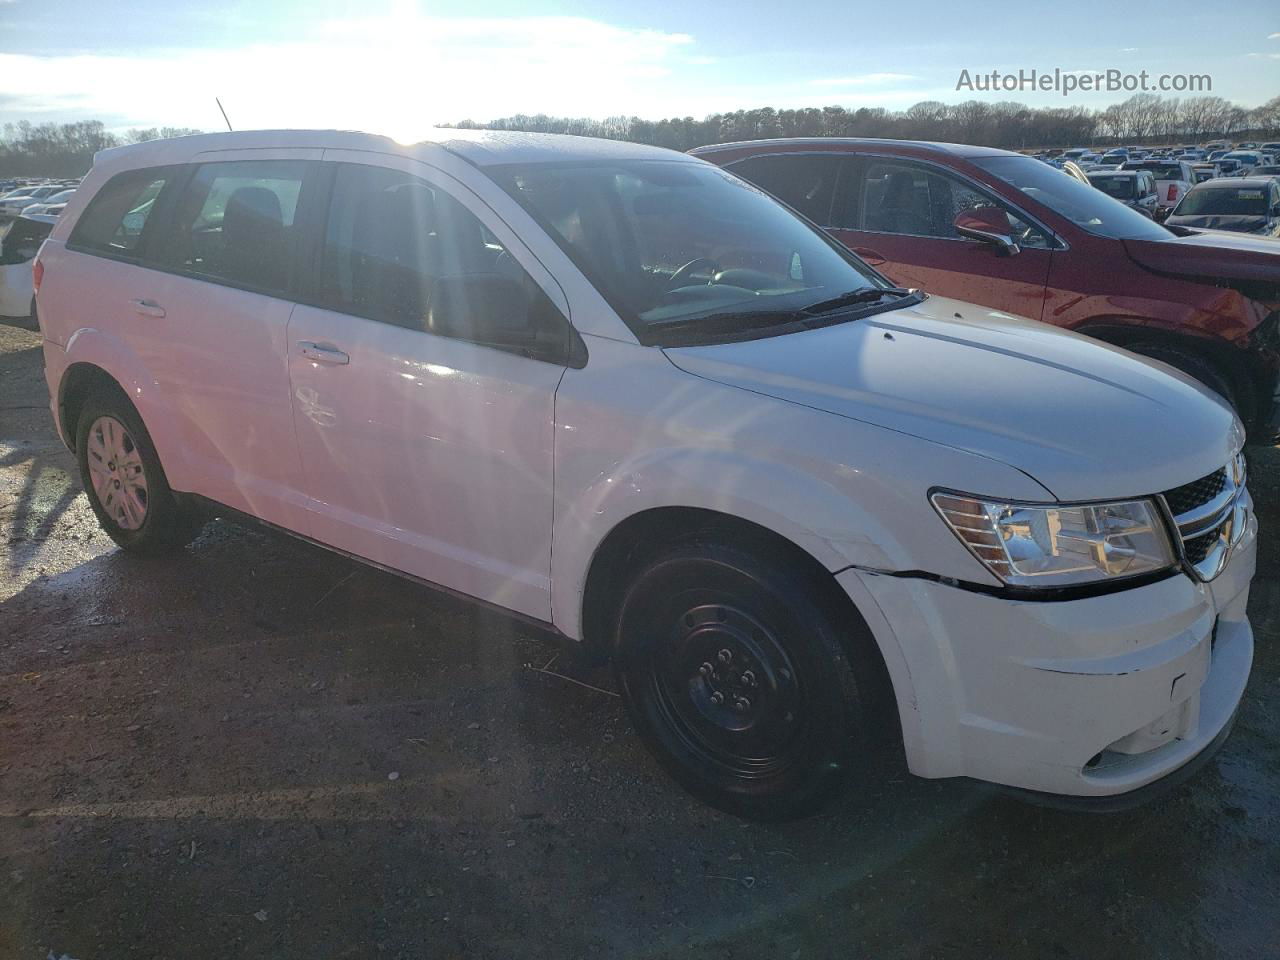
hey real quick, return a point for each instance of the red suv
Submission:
(1012, 233)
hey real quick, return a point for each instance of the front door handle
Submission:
(322, 352)
(873, 257)
(148, 308)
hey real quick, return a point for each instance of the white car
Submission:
(1173, 179)
(19, 242)
(13, 205)
(58, 200)
(620, 392)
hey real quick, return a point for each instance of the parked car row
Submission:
(34, 197)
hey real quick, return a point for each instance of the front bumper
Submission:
(1094, 697)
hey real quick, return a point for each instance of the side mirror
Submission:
(990, 225)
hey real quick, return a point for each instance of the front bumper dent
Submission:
(1089, 698)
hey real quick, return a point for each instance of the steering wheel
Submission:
(678, 278)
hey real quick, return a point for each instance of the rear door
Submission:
(897, 214)
(212, 319)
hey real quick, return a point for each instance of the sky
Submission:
(399, 66)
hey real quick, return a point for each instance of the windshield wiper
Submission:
(861, 295)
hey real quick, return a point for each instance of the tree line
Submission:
(66, 150)
(1143, 118)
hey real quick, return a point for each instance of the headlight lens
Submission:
(1059, 545)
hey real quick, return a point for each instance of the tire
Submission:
(126, 484)
(1194, 366)
(739, 680)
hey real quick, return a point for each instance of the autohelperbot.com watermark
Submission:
(1067, 82)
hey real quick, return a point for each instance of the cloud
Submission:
(395, 74)
(1264, 56)
(865, 80)
(1273, 36)
(1128, 49)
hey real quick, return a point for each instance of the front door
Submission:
(424, 451)
(898, 215)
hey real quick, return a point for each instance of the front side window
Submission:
(114, 220)
(910, 200)
(1090, 209)
(686, 249)
(234, 223)
(399, 250)
(806, 183)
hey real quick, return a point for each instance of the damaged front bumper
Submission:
(1087, 698)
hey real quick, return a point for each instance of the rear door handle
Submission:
(148, 308)
(872, 257)
(322, 352)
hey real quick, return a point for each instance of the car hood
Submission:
(1235, 223)
(1228, 256)
(1086, 420)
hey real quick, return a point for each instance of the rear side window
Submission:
(114, 220)
(234, 222)
(806, 183)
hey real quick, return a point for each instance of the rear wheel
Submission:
(740, 681)
(124, 481)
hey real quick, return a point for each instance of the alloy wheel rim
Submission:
(116, 471)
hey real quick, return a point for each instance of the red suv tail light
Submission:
(37, 274)
(1173, 192)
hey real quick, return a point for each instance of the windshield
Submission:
(1224, 202)
(1243, 157)
(1119, 187)
(1086, 207)
(671, 243)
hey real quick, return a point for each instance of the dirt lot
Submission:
(259, 749)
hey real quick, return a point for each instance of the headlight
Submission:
(1059, 545)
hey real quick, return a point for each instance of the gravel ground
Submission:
(259, 749)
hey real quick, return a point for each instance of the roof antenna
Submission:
(224, 112)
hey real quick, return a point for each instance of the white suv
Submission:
(620, 392)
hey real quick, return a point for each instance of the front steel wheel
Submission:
(742, 680)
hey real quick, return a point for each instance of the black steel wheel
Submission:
(740, 681)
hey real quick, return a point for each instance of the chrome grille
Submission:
(1197, 493)
(1210, 517)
